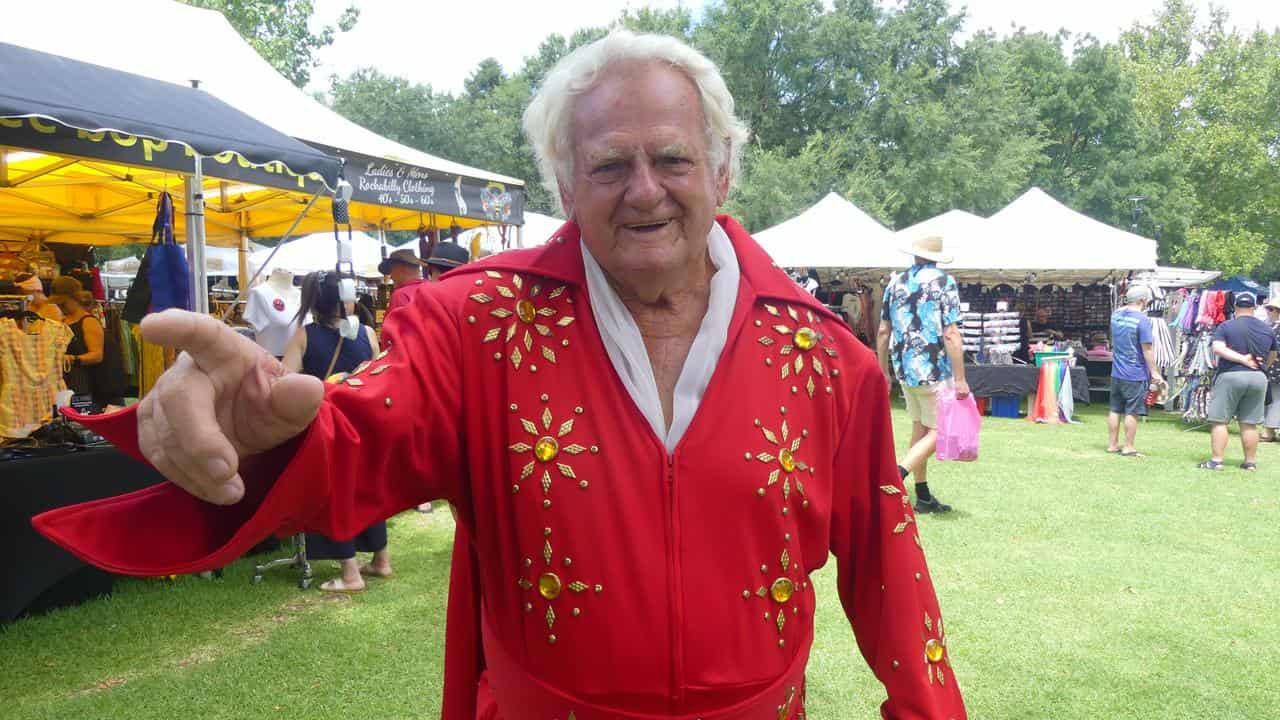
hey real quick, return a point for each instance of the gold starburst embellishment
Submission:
(549, 447)
(935, 650)
(529, 312)
(548, 587)
(800, 347)
(782, 458)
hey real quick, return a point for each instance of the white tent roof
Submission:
(538, 228)
(1176, 277)
(963, 235)
(311, 253)
(1036, 232)
(833, 233)
(178, 43)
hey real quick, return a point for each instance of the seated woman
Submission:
(88, 367)
(320, 351)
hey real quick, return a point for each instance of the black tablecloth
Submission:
(35, 574)
(1019, 380)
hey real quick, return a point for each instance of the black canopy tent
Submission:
(115, 126)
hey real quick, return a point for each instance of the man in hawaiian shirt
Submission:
(919, 330)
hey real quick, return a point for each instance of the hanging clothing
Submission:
(30, 374)
(151, 362)
(271, 314)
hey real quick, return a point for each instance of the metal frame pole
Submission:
(194, 186)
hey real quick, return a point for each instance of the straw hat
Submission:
(929, 248)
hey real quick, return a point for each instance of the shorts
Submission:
(922, 404)
(1128, 397)
(1273, 410)
(1239, 394)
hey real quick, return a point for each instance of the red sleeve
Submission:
(386, 439)
(883, 580)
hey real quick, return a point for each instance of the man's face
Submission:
(402, 273)
(1042, 315)
(642, 189)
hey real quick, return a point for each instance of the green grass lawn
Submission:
(1074, 584)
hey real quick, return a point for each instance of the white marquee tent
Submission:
(538, 228)
(833, 233)
(312, 253)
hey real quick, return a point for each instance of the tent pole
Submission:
(519, 236)
(242, 271)
(194, 186)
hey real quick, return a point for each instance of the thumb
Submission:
(295, 400)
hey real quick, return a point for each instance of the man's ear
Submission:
(566, 201)
(722, 177)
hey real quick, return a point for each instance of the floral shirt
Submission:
(919, 303)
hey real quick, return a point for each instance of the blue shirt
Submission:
(1248, 336)
(919, 304)
(1130, 330)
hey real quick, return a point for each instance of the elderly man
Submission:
(651, 435)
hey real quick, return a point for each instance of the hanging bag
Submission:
(168, 272)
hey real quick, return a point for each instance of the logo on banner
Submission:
(496, 202)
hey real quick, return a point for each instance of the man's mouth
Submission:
(648, 227)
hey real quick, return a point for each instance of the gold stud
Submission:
(551, 639)
(582, 484)
(764, 568)
(782, 410)
(781, 642)
(835, 372)
(471, 319)
(746, 456)
(545, 397)
(599, 588)
(528, 562)
(895, 664)
(533, 368)
(528, 607)
(804, 504)
(768, 361)
(386, 401)
(479, 283)
(564, 342)
(546, 504)
(917, 577)
(746, 594)
(568, 562)
(786, 537)
(595, 449)
(794, 389)
(497, 356)
(804, 433)
(828, 389)
(546, 532)
(578, 410)
(757, 422)
(759, 323)
(515, 489)
(514, 407)
(577, 612)
(785, 511)
(760, 492)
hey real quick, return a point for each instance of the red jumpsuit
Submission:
(615, 580)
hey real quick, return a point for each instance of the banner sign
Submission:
(40, 135)
(394, 184)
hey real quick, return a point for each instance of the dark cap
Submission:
(448, 256)
(1246, 299)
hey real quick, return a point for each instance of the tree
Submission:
(280, 31)
(484, 79)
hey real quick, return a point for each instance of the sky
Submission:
(440, 43)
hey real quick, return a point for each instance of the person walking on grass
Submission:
(1245, 346)
(920, 332)
(1133, 368)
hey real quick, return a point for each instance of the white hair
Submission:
(547, 119)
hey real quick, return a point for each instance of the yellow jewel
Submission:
(526, 311)
(546, 449)
(806, 338)
(933, 650)
(549, 586)
(782, 590)
(787, 460)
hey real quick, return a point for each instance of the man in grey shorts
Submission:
(1244, 346)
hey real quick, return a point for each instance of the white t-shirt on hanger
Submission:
(271, 315)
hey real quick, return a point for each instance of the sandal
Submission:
(336, 585)
(1210, 465)
(1134, 454)
(1113, 451)
(1249, 467)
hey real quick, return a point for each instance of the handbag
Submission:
(168, 272)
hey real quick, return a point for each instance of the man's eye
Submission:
(607, 172)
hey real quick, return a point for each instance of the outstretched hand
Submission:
(223, 399)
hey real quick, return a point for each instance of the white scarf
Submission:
(626, 348)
